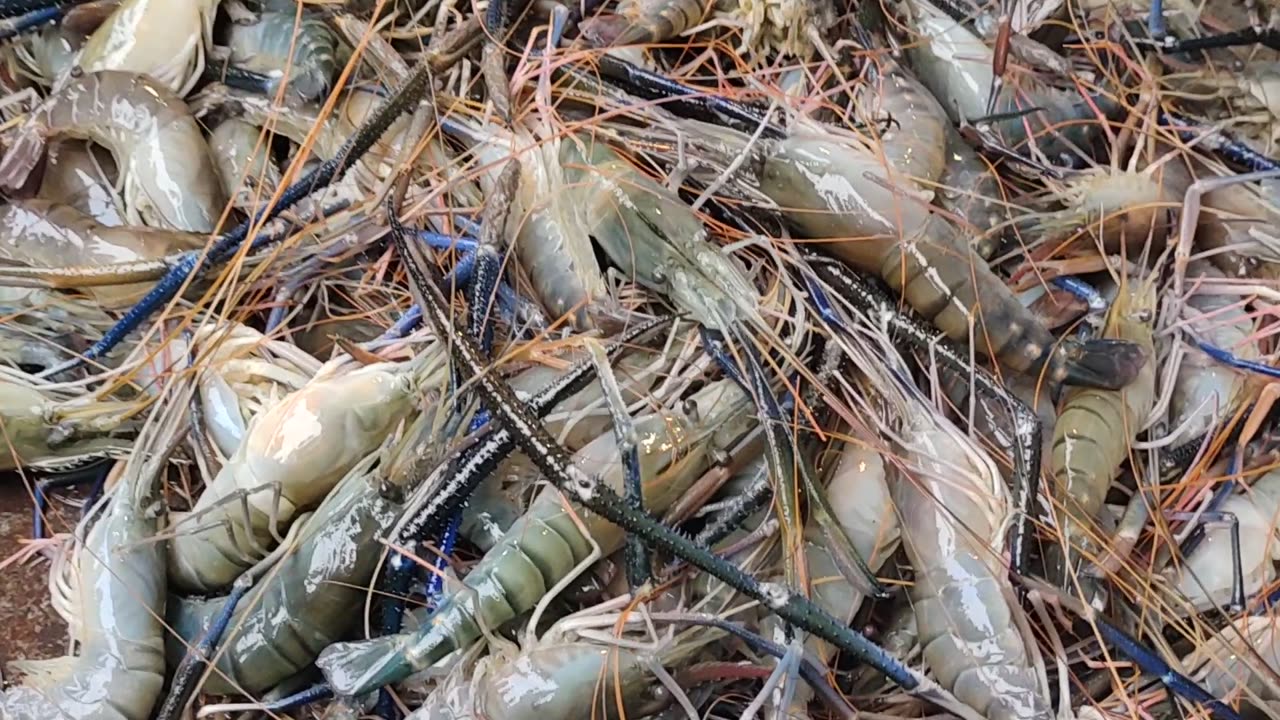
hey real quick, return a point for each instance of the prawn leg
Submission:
(10, 28)
(1266, 37)
(1147, 660)
(1219, 141)
(229, 244)
(1096, 316)
(1216, 517)
(679, 99)
(97, 475)
(638, 561)
(188, 671)
(488, 257)
(555, 464)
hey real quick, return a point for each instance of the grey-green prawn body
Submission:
(547, 543)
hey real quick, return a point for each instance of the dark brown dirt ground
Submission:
(29, 629)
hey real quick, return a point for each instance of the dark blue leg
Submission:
(1096, 317)
(313, 694)
(15, 8)
(1227, 358)
(1220, 142)
(1267, 37)
(400, 575)
(97, 474)
(1150, 663)
(13, 27)
(685, 101)
(1156, 25)
(184, 678)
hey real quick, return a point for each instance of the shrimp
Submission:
(552, 240)
(234, 386)
(957, 67)
(831, 189)
(263, 47)
(546, 544)
(45, 234)
(644, 21)
(1205, 390)
(79, 174)
(163, 39)
(242, 157)
(292, 456)
(858, 494)
(48, 429)
(121, 582)
(168, 175)
(1205, 579)
(1242, 658)
(1095, 428)
(315, 586)
(1114, 210)
(969, 188)
(953, 508)
(654, 236)
(296, 122)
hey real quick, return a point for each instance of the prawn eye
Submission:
(77, 72)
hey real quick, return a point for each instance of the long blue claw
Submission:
(1156, 25)
(1227, 358)
(820, 301)
(1220, 142)
(481, 294)
(184, 678)
(313, 694)
(13, 27)
(1150, 663)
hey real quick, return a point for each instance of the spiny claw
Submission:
(1105, 363)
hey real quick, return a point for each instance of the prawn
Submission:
(543, 547)
(291, 457)
(121, 582)
(50, 429)
(552, 239)
(166, 40)
(876, 221)
(280, 47)
(164, 162)
(953, 508)
(958, 68)
(644, 21)
(1204, 579)
(243, 160)
(47, 235)
(1095, 428)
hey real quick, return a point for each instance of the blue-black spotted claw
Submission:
(1146, 659)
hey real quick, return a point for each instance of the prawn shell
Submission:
(81, 176)
(301, 448)
(45, 234)
(169, 177)
(164, 39)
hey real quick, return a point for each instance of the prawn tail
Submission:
(21, 159)
(1103, 363)
(354, 668)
